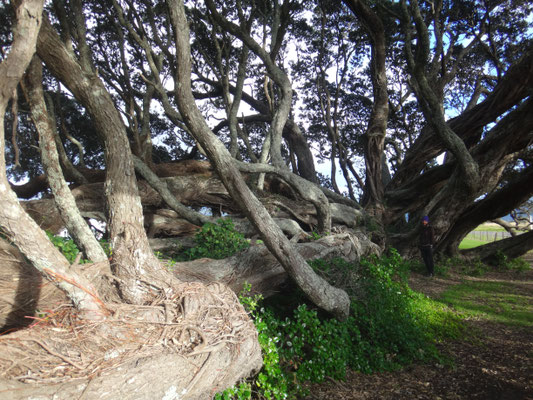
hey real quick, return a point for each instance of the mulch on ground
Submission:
(495, 364)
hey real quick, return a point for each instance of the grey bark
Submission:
(76, 225)
(432, 109)
(161, 187)
(258, 267)
(377, 125)
(307, 190)
(14, 221)
(133, 259)
(281, 113)
(320, 292)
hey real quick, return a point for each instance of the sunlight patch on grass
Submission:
(469, 243)
(502, 302)
(439, 319)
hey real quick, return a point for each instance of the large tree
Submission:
(148, 114)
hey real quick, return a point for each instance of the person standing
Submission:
(425, 243)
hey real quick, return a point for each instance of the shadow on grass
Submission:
(497, 301)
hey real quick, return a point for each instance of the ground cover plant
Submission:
(493, 359)
(390, 326)
(216, 240)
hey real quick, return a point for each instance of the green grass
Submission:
(469, 243)
(490, 228)
(503, 302)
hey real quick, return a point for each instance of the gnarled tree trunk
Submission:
(320, 292)
(15, 222)
(133, 259)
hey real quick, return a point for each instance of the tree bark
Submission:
(258, 266)
(281, 113)
(18, 226)
(431, 105)
(161, 187)
(133, 259)
(377, 125)
(495, 205)
(23, 290)
(509, 92)
(320, 292)
(64, 199)
(512, 247)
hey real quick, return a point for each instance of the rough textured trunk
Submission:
(377, 125)
(23, 291)
(305, 189)
(298, 144)
(444, 190)
(495, 205)
(189, 346)
(258, 267)
(161, 187)
(512, 247)
(35, 245)
(509, 92)
(14, 221)
(133, 260)
(468, 176)
(204, 188)
(325, 296)
(64, 199)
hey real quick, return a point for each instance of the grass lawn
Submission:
(498, 301)
(490, 227)
(469, 243)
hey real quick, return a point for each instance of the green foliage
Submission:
(66, 246)
(390, 326)
(315, 235)
(106, 246)
(514, 264)
(388, 317)
(216, 241)
(69, 249)
(241, 391)
(475, 267)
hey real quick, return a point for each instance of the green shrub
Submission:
(511, 264)
(66, 246)
(390, 326)
(387, 316)
(216, 241)
(470, 267)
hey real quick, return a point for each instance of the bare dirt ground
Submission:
(496, 363)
